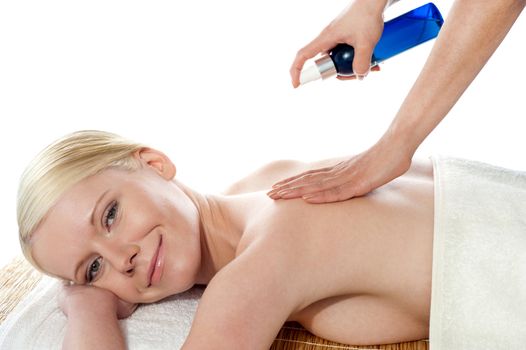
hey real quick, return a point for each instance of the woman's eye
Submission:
(94, 269)
(110, 215)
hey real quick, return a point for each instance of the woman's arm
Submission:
(247, 302)
(93, 315)
(93, 328)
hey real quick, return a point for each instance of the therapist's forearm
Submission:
(472, 32)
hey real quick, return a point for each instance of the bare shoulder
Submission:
(264, 177)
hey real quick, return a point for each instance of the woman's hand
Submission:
(354, 177)
(359, 25)
(93, 318)
(74, 298)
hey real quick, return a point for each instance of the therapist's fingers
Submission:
(339, 193)
(346, 77)
(352, 77)
(288, 182)
(321, 44)
(323, 187)
(362, 60)
(307, 183)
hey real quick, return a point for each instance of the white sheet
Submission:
(479, 257)
(38, 323)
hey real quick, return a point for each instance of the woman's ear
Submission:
(158, 161)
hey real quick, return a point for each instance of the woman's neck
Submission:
(222, 222)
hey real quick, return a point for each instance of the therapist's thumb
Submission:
(362, 61)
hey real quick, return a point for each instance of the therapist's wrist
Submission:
(402, 139)
(376, 6)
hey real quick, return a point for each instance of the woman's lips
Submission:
(156, 265)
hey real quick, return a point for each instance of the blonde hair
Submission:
(61, 165)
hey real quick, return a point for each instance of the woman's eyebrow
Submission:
(95, 207)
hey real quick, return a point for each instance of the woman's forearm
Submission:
(93, 328)
(472, 32)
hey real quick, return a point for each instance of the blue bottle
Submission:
(400, 34)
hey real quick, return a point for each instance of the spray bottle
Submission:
(400, 34)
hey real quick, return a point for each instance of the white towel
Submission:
(38, 323)
(479, 257)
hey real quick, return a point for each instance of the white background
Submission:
(207, 82)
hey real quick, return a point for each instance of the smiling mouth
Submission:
(155, 269)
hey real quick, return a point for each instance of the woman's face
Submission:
(133, 233)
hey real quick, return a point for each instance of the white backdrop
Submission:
(207, 82)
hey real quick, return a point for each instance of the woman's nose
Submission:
(128, 266)
(122, 257)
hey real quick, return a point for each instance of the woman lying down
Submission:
(110, 216)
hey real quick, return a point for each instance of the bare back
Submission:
(367, 260)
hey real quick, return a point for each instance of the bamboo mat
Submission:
(18, 278)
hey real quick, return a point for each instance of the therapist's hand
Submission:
(359, 25)
(354, 177)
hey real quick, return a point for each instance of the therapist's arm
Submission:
(472, 32)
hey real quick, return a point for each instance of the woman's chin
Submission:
(157, 293)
